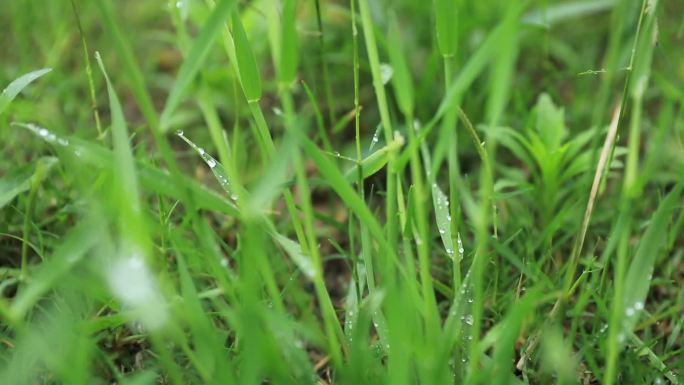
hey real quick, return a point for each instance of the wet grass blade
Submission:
(14, 88)
(639, 274)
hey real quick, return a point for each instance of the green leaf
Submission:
(215, 166)
(14, 88)
(446, 23)
(247, 66)
(402, 82)
(550, 14)
(198, 52)
(639, 274)
(123, 155)
(134, 74)
(373, 162)
(550, 123)
(443, 219)
(289, 55)
(294, 251)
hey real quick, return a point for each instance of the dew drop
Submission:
(211, 163)
(469, 319)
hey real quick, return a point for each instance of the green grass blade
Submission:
(247, 66)
(14, 88)
(402, 82)
(134, 73)
(123, 155)
(639, 274)
(446, 20)
(199, 50)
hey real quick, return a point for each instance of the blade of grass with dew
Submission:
(374, 162)
(14, 88)
(338, 183)
(403, 90)
(220, 172)
(198, 52)
(381, 98)
(639, 274)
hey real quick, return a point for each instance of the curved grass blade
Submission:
(150, 177)
(294, 250)
(123, 155)
(374, 162)
(198, 52)
(216, 168)
(14, 88)
(639, 274)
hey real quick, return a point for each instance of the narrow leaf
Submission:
(198, 52)
(247, 66)
(14, 88)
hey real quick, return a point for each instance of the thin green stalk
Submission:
(28, 215)
(89, 73)
(616, 336)
(422, 243)
(383, 107)
(330, 101)
(449, 125)
(206, 104)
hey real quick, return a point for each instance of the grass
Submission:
(342, 192)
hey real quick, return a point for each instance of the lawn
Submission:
(341, 192)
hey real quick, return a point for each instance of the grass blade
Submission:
(14, 88)
(198, 52)
(123, 155)
(247, 66)
(639, 274)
